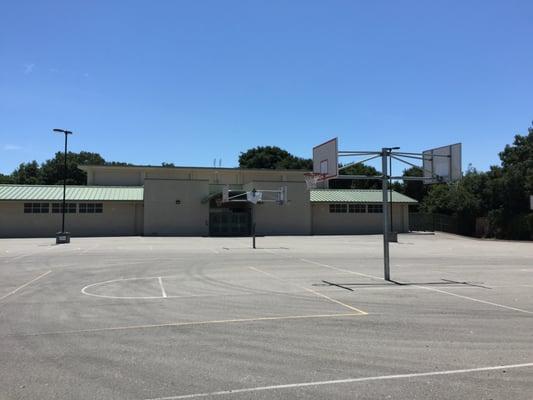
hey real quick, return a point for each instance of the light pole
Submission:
(63, 237)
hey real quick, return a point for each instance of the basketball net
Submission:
(312, 179)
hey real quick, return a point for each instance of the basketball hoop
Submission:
(312, 179)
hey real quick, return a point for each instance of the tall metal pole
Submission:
(390, 191)
(386, 229)
(64, 184)
(64, 237)
(253, 225)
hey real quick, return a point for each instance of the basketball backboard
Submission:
(442, 164)
(255, 196)
(325, 159)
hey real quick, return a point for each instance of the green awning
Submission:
(355, 196)
(73, 193)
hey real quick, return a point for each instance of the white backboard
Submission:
(442, 164)
(325, 158)
(254, 197)
(278, 196)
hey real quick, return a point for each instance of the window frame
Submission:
(90, 208)
(375, 208)
(36, 208)
(357, 208)
(338, 208)
(71, 208)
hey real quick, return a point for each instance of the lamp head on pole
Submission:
(63, 131)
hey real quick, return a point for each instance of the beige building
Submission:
(144, 200)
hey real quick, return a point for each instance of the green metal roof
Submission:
(355, 196)
(74, 193)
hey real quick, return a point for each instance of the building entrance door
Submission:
(229, 222)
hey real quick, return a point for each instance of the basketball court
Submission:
(298, 317)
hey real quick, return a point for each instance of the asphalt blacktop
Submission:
(300, 317)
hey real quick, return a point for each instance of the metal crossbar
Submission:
(358, 162)
(413, 165)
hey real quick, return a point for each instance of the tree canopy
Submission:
(414, 189)
(50, 172)
(501, 194)
(356, 169)
(6, 179)
(272, 157)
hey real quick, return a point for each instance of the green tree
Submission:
(272, 157)
(356, 169)
(27, 174)
(501, 194)
(517, 172)
(414, 189)
(6, 179)
(52, 170)
(451, 199)
(510, 187)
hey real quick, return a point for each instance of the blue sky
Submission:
(188, 81)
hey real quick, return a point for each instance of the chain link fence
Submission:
(434, 222)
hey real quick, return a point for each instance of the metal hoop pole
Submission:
(253, 226)
(385, 205)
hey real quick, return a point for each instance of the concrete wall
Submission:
(163, 186)
(118, 218)
(162, 216)
(292, 218)
(135, 176)
(326, 223)
(118, 177)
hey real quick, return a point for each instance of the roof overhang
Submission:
(73, 193)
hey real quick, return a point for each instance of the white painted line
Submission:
(192, 296)
(311, 291)
(381, 287)
(344, 381)
(163, 293)
(510, 286)
(84, 251)
(341, 270)
(23, 286)
(422, 287)
(474, 299)
(14, 258)
(194, 323)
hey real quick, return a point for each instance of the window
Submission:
(36, 208)
(57, 208)
(338, 208)
(375, 208)
(90, 208)
(357, 208)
